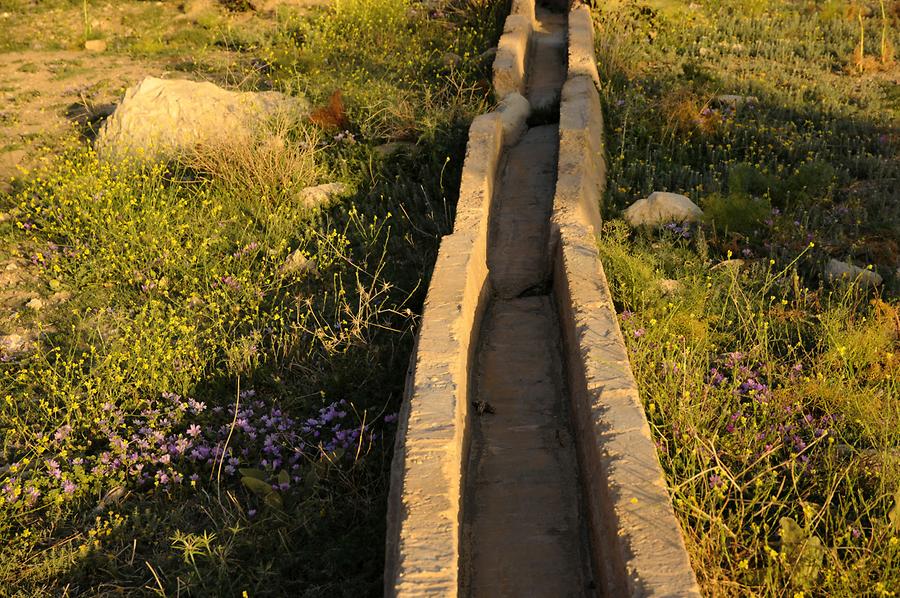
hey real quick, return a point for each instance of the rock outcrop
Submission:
(661, 208)
(165, 118)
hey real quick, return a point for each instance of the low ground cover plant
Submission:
(205, 398)
(772, 394)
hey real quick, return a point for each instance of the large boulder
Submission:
(164, 118)
(661, 208)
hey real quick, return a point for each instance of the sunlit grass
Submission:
(772, 395)
(206, 403)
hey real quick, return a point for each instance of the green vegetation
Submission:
(773, 396)
(207, 402)
(204, 402)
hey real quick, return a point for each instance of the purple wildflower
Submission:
(53, 468)
(31, 495)
(62, 433)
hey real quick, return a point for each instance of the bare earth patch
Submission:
(54, 91)
(52, 97)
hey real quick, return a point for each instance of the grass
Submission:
(772, 394)
(206, 405)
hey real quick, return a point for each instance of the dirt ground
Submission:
(55, 92)
(50, 98)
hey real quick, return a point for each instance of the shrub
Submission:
(736, 212)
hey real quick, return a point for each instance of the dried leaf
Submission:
(253, 473)
(257, 486)
(894, 514)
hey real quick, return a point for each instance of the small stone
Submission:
(661, 208)
(296, 262)
(386, 150)
(268, 6)
(16, 343)
(670, 286)
(59, 298)
(36, 304)
(322, 195)
(838, 270)
(451, 60)
(95, 45)
(735, 101)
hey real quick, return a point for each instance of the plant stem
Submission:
(87, 25)
(862, 42)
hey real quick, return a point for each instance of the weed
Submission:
(273, 166)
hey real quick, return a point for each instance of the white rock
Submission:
(13, 344)
(272, 5)
(669, 286)
(60, 297)
(297, 262)
(514, 110)
(838, 270)
(95, 45)
(661, 208)
(735, 101)
(163, 118)
(322, 195)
